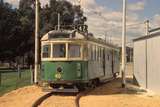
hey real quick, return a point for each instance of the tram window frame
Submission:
(49, 51)
(97, 53)
(103, 54)
(80, 52)
(100, 53)
(99, 49)
(109, 55)
(57, 57)
(91, 52)
(94, 53)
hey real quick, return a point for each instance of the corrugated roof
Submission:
(147, 37)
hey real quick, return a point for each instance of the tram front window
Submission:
(59, 50)
(74, 51)
(46, 51)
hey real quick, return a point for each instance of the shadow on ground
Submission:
(115, 87)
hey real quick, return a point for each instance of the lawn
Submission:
(11, 81)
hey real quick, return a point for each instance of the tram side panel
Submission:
(101, 69)
(95, 67)
(108, 64)
(95, 70)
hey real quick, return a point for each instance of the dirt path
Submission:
(108, 95)
(112, 95)
(23, 97)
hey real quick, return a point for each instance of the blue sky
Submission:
(105, 16)
(151, 7)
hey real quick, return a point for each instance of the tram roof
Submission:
(55, 34)
(72, 34)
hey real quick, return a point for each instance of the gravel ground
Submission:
(112, 95)
(108, 95)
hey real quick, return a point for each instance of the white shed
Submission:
(147, 61)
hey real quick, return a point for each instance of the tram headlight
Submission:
(58, 74)
(78, 70)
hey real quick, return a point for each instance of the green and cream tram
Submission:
(71, 61)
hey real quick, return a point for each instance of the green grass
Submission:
(10, 81)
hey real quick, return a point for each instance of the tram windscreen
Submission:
(46, 51)
(59, 50)
(74, 50)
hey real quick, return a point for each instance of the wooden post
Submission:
(32, 74)
(19, 72)
(0, 78)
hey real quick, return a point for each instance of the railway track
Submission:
(77, 99)
(79, 95)
(39, 101)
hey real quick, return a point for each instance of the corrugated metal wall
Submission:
(140, 62)
(147, 63)
(153, 60)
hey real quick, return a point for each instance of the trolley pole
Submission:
(59, 21)
(36, 42)
(124, 45)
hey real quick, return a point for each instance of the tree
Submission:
(8, 20)
(17, 25)
(49, 15)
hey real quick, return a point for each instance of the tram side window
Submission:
(89, 52)
(96, 51)
(46, 51)
(59, 50)
(99, 53)
(93, 53)
(74, 51)
(102, 53)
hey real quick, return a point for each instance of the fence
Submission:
(11, 79)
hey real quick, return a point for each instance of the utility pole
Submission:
(36, 67)
(146, 42)
(124, 45)
(147, 27)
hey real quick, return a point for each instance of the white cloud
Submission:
(15, 3)
(103, 20)
(156, 20)
(44, 2)
(138, 6)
